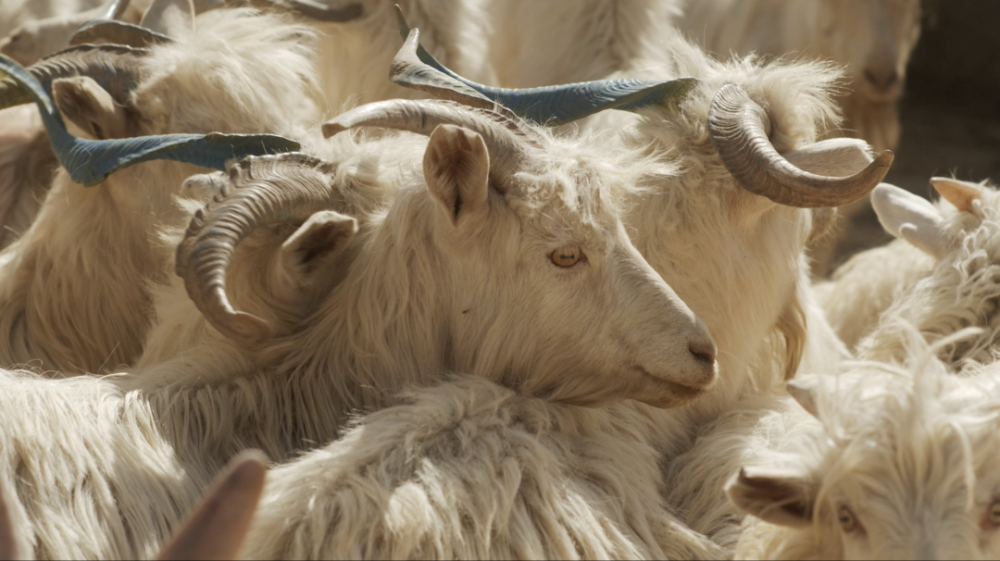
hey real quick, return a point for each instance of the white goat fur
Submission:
(565, 41)
(910, 451)
(383, 328)
(870, 36)
(74, 287)
(471, 470)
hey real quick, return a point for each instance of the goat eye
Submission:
(566, 256)
(848, 522)
(993, 513)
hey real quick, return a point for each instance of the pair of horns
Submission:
(215, 528)
(737, 125)
(295, 186)
(153, 28)
(90, 162)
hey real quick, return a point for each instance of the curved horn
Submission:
(738, 128)
(289, 186)
(308, 8)
(114, 67)
(416, 68)
(506, 147)
(90, 162)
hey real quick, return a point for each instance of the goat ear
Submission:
(456, 167)
(88, 106)
(324, 236)
(173, 18)
(779, 498)
(960, 194)
(837, 157)
(219, 524)
(911, 218)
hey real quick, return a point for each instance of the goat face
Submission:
(546, 280)
(874, 37)
(899, 466)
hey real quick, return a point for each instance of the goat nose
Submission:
(882, 79)
(703, 351)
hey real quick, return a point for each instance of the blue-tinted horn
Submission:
(90, 162)
(550, 105)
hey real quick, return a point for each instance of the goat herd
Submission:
(569, 317)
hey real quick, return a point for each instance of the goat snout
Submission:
(883, 81)
(703, 351)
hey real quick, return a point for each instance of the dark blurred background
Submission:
(950, 111)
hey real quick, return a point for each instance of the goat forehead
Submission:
(568, 199)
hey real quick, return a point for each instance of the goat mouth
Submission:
(658, 392)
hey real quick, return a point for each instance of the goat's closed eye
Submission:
(566, 256)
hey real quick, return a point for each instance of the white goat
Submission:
(689, 221)
(74, 287)
(897, 464)
(873, 37)
(961, 290)
(538, 224)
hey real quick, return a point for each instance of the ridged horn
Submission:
(313, 10)
(267, 189)
(506, 147)
(738, 129)
(90, 162)
(114, 67)
(550, 105)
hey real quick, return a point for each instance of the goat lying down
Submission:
(881, 462)
(533, 208)
(939, 276)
